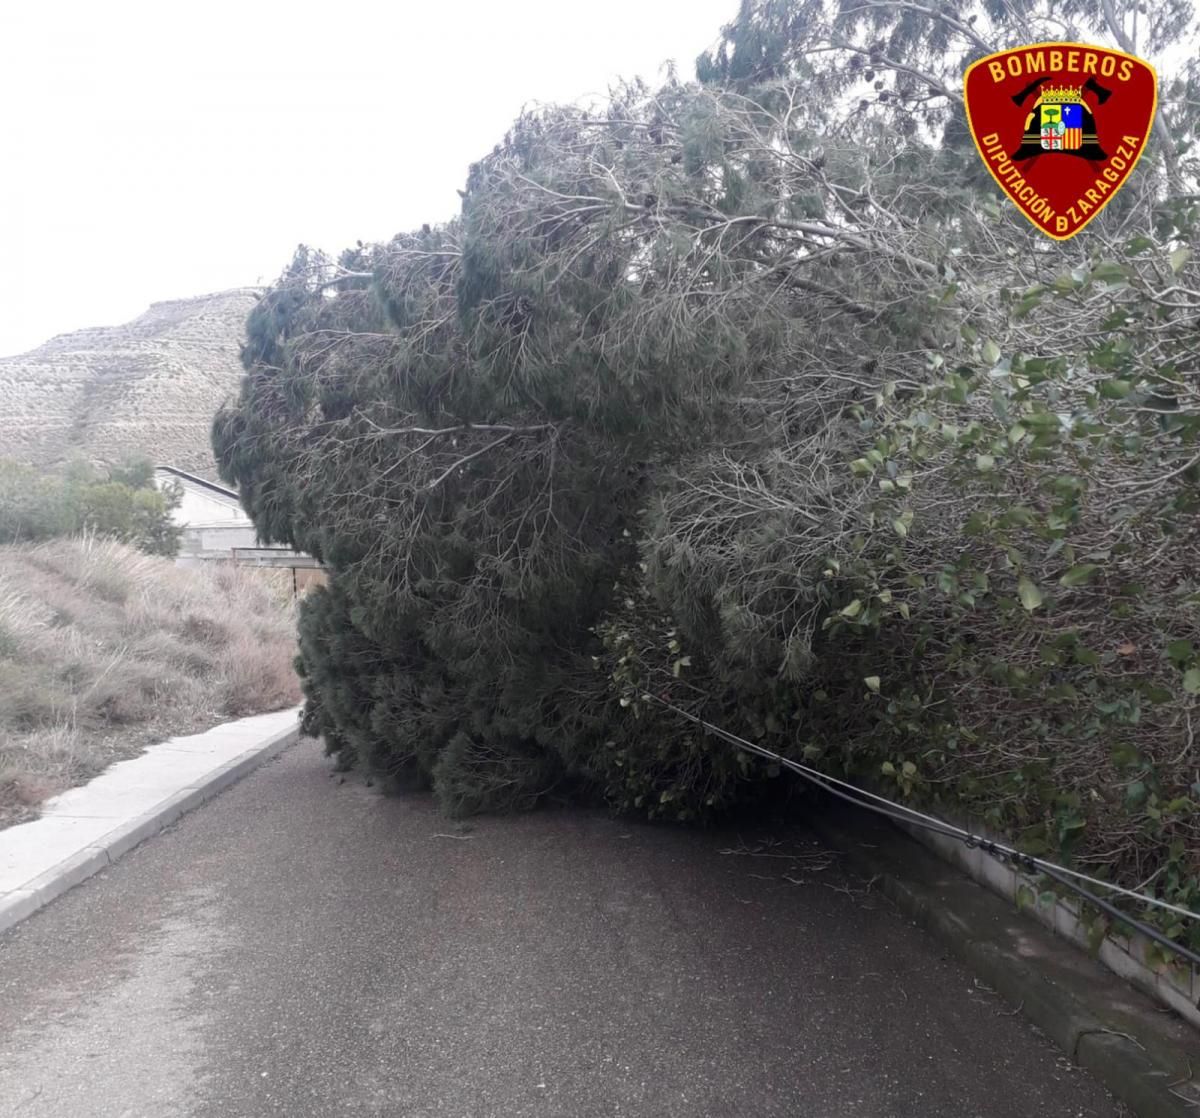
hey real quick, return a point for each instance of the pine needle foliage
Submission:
(749, 394)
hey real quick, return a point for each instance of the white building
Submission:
(215, 526)
(211, 516)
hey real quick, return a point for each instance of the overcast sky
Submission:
(152, 150)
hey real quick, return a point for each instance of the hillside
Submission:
(149, 387)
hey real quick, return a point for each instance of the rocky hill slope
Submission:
(149, 387)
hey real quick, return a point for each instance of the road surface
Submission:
(304, 947)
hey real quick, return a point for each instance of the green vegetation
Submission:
(104, 649)
(752, 394)
(123, 504)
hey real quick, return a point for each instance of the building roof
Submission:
(211, 486)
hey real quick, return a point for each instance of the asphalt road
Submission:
(302, 947)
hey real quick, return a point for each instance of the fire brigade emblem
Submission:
(1060, 127)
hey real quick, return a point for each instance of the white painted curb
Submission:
(86, 829)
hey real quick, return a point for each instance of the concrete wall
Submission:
(216, 541)
(1176, 984)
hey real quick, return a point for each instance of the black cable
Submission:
(1111, 909)
(902, 814)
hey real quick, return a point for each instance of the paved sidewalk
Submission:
(306, 948)
(87, 828)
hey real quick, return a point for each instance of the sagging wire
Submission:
(860, 797)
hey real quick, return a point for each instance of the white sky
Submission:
(153, 150)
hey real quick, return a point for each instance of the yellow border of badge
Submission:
(986, 162)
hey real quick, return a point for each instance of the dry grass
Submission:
(104, 650)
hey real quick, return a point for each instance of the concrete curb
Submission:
(21, 898)
(1144, 1055)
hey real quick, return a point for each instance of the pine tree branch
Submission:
(468, 458)
(1170, 152)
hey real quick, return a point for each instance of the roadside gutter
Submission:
(1144, 1054)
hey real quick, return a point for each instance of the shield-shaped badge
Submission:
(1060, 126)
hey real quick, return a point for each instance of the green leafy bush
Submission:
(125, 505)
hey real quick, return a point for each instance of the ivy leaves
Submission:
(1054, 520)
(1079, 575)
(1184, 656)
(1030, 595)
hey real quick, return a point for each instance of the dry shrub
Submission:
(205, 630)
(265, 583)
(39, 765)
(127, 693)
(258, 675)
(29, 698)
(22, 619)
(183, 656)
(104, 649)
(104, 568)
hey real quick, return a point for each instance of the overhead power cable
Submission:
(861, 797)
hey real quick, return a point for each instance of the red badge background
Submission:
(1058, 177)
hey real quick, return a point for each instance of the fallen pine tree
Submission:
(732, 395)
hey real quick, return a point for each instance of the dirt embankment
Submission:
(104, 650)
